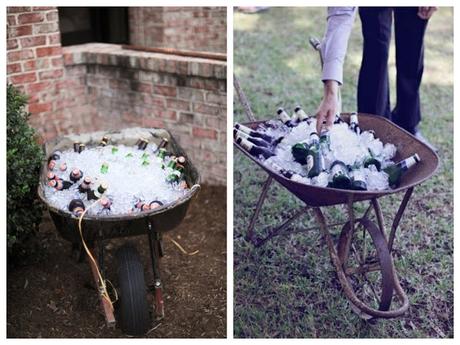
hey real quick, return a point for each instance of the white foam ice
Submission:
(127, 177)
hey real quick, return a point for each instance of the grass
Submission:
(288, 287)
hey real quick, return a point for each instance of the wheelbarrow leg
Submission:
(156, 251)
(255, 215)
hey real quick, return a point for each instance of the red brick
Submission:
(206, 109)
(57, 62)
(42, 63)
(11, 20)
(28, 18)
(12, 44)
(17, 9)
(13, 68)
(33, 41)
(24, 54)
(54, 39)
(52, 16)
(68, 58)
(38, 87)
(204, 133)
(40, 107)
(152, 122)
(23, 78)
(178, 104)
(17, 31)
(141, 87)
(165, 90)
(49, 51)
(52, 74)
(46, 28)
(163, 113)
(30, 65)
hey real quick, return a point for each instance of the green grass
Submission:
(288, 287)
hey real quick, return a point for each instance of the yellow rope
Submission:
(180, 247)
(103, 287)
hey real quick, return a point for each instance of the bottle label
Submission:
(310, 162)
(337, 169)
(244, 129)
(242, 135)
(284, 117)
(246, 145)
(410, 161)
(354, 118)
(302, 115)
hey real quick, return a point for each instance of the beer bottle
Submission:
(76, 207)
(300, 151)
(97, 194)
(104, 168)
(55, 156)
(51, 176)
(340, 177)
(315, 160)
(75, 175)
(338, 119)
(162, 145)
(301, 115)
(284, 117)
(142, 143)
(256, 141)
(256, 134)
(76, 146)
(85, 185)
(106, 203)
(358, 180)
(371, 160)
(155, 204)
(141, 206)
(254, 150)
(81, 147)
(104, 141)
(396, 171)
(325, 140)
(176, 171)
(354, 124)
(59, 184)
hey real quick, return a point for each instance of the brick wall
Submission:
(191, 28)
(101, 86)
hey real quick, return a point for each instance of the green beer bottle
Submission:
(358, 180)
(371, 160)
(315, 160)
(396, 171)
(340, 177)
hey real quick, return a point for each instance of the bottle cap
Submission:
(105, 202)
(63, 167)
(297, 108)
(50, 176)
(280, 110)
(103, 186)
(52, 183)
(180, 160)
(155, 204)
(87, 180)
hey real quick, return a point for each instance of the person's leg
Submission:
(373, 87)
(409, 33)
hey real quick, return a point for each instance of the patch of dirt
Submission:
(53, 296)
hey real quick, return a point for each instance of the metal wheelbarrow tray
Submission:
(134, 316)
(347, 262)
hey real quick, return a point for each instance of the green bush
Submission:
(24, 158)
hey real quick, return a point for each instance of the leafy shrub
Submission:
(24, 157)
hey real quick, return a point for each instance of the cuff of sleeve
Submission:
(332, 70)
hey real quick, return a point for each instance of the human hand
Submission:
(328, 107)
(426, 12)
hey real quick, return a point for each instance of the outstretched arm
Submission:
(333, 49)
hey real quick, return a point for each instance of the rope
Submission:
(180, 247)
(102, 287)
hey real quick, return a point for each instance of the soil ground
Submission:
(53, 296)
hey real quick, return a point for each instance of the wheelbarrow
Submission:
(362, 260)
(131, 308)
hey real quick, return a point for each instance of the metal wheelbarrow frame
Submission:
(97, 230)
(317, 197)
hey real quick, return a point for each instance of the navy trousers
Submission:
(373, 84)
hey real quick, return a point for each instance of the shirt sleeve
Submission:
(334, 45)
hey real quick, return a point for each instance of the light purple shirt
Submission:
(335, 41)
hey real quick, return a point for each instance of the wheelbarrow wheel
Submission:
(133, 310)
(367, 264)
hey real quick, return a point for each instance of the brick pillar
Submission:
(34, 60)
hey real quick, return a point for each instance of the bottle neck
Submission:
(408, 162)
(284, 117)
(243, 135)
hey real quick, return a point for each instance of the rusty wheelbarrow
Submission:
(131, 307)
(367, 274)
